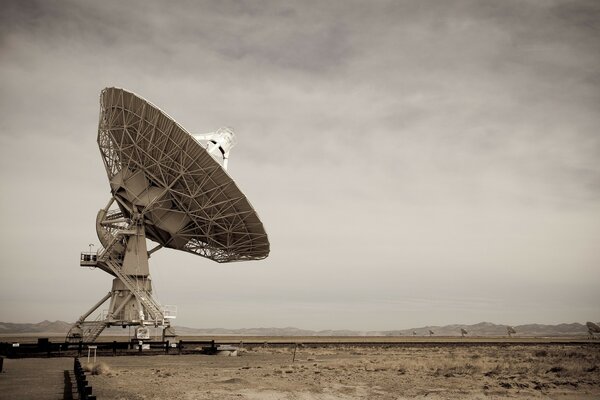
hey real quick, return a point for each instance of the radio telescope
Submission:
(167, 186)
(592, 328)
(431, 333)
(510, 331)
(463, 332)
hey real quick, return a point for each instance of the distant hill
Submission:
(480, 329)
(44, 326)
(491, 329)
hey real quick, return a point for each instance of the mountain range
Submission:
(480, 329)
(44, 326)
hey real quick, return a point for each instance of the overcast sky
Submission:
(413, 162)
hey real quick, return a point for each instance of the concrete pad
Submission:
(34, 378)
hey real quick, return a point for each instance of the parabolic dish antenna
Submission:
(592, 328)
(168, 186)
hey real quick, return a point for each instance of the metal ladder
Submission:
(94, 331)
(90, 331)
(104, 254)
(153, 308)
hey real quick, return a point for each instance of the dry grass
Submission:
(358, 372)
(99, 368)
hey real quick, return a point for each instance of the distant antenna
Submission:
(463, 332)
(414, 333)
(592, 328)
(431, 333)
(510, 331)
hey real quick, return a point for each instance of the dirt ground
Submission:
(347, 372)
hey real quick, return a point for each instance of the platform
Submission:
(34, 378)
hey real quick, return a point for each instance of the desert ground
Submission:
(438, 371)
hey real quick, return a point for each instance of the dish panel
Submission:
(156, 168)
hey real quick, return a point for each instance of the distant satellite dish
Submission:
(167, 186)
(431, 333)
(463, 332)
(510, 331)
(414, 333)
(592, 328)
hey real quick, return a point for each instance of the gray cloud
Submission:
(435, 161)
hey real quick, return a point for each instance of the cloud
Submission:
(389, 147)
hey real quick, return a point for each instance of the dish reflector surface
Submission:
(188, 201)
